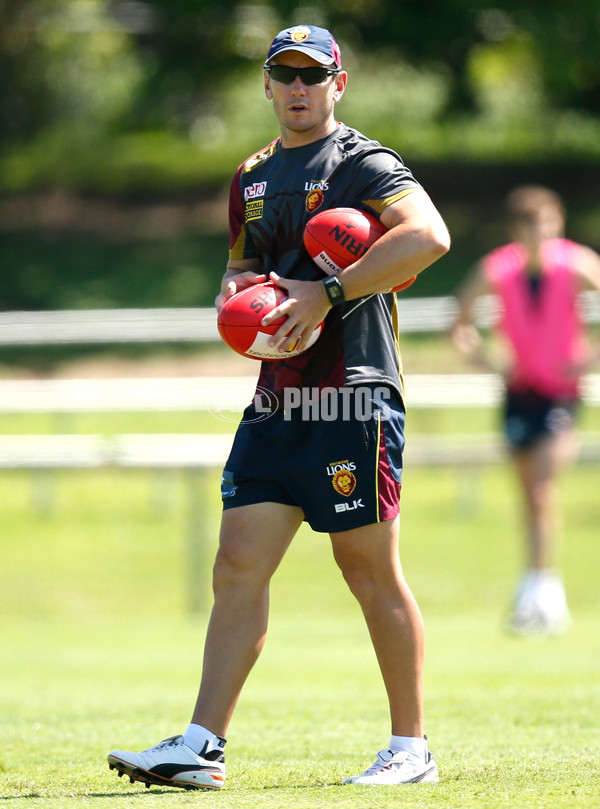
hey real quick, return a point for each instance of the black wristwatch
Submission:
(335, 290)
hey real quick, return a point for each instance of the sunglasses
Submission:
(308, 75)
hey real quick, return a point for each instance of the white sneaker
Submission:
(398, 768)
(540, 605)
(171, 763)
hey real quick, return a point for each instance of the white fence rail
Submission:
(198, 452)
(94, 326)
(226, 396)
(185, 325)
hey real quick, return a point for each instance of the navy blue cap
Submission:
(316, 42)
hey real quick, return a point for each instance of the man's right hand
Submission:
(236, 280)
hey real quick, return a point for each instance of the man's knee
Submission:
(356, 568)
(234, 568)
(368, 559)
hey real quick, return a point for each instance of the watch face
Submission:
(334, 289)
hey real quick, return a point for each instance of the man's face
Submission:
(305, 112)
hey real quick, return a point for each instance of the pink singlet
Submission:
(545, 331)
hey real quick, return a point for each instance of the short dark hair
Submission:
(525, 200)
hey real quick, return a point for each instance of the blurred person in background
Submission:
(537, 277)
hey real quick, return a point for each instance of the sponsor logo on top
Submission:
(254, 204)
(255, 190)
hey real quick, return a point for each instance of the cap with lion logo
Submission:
(318, 43)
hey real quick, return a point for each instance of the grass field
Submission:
(99, 651)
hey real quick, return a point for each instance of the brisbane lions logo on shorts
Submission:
(342, 477)
(344, 482)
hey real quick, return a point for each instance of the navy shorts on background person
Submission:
(529, 416)
(342, 473)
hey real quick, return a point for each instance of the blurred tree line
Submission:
(121, 93)
(140, 99)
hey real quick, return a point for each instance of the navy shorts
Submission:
(530, 416)
(338, 458)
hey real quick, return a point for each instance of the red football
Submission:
(239, 320)
(335, 238)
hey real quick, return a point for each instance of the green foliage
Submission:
(80, 65)
(407, 108)
(125, 102)
(92, 72)
(87, 271)
(506, 81)
(119, 96)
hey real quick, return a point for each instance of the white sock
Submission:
(201, 740)
(415, 745)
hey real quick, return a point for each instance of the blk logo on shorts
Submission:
(339, 507)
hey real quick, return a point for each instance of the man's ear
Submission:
(340, 85)
(268, 91)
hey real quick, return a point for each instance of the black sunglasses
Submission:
(308, 75)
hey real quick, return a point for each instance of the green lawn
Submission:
(99, 651)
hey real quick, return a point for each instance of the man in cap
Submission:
(288, 468)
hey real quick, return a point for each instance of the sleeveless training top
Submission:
(544, 329)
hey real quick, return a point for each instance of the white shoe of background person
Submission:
(540, 605)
